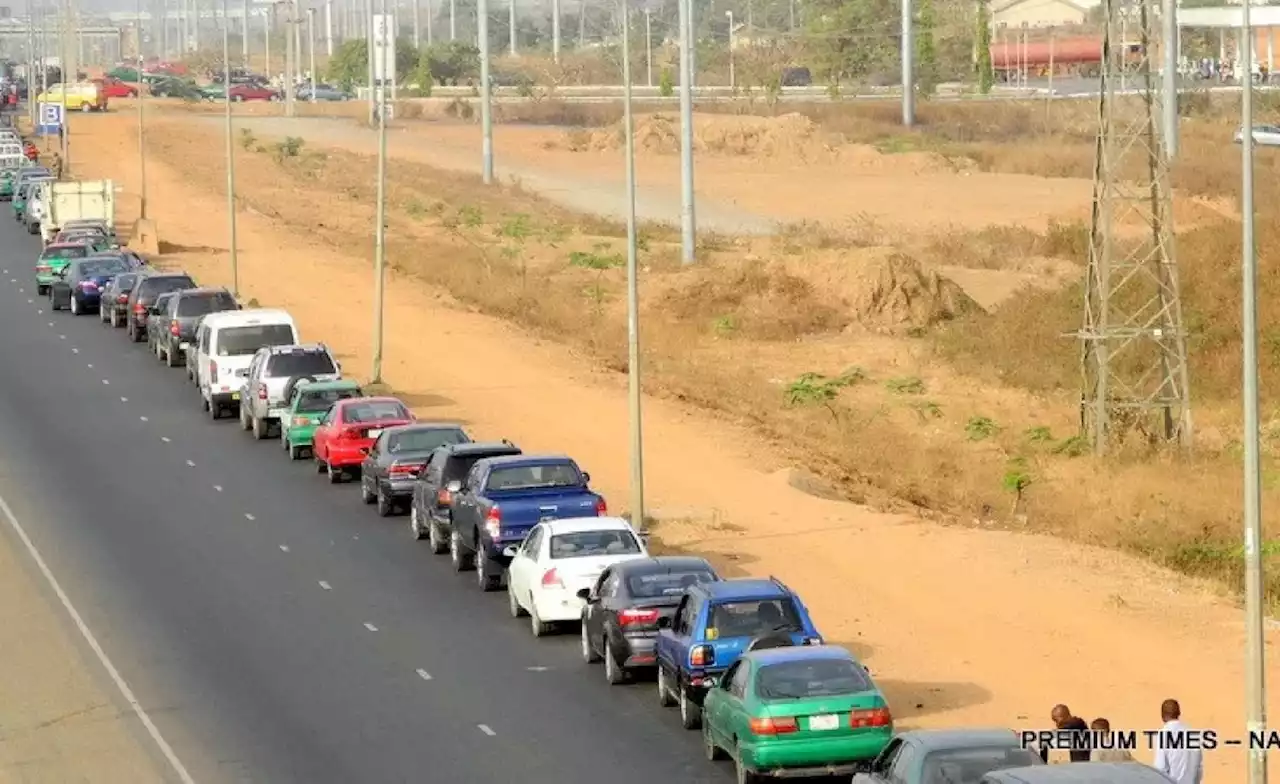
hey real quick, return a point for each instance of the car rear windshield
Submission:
(801, 679)
(71, 252)
(102, 267)
(373, 411)
(204, 304)
(968, 766)
(152, 287)
(321, 401)
(459, 466)
(661, 585)
(534, 476)
(583, 544)
(753, 617)
(127, 281)
(425, 439)
(301, 363)
(239, 341)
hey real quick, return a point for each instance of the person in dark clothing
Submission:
(1063, 719)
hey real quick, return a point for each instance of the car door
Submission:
(880, 767)
(594, 611)
(320, 441)
(424, 489)
(522, 566)
(371, 466)
(202, 356)
(249, 388)
(668, 635)
(60, 289)
(726, 704)
(465, 510)
(904, 765)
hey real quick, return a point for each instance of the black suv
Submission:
(431, 513)
(185, 309)
(144, 295)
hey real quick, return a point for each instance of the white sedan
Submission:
(1263, 136)
(558, 558)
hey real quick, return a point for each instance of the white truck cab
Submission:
(226, 343)
(273, 373)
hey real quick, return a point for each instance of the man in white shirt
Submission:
(1183, 765)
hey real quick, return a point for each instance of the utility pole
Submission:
(648, 45)
(556, 15)
(328, 28)
(267, 19)
(733, 81)
(142, 142)
(417, 24)
(295, 19)
(1132, 307)
(908, 65)
(385, 39)
(1169, 19)
(688, 217)
(431, 15)
(453, 20)
(68, 77)
(244, 38)
(511, 26)
(231, 160)
(486, 93)
(290, 57)
(369, 44)
(633, 288)
(311, 49)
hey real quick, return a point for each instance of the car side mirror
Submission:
(664, 622)
(510, 551)
(584, 594)
(454, 487)
(586, 477)
(337, 366)
(644, 537)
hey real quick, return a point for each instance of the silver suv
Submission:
(273, 374)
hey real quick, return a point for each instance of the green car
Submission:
(309, 401)
(798, 711)
(54, 259)
(7, 178)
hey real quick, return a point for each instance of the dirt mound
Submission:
(786, 135)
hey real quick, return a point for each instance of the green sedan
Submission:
(7, 178)
(796, 710)
(308, 403)
(54, 259)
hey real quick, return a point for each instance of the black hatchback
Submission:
(186, 308)
(144, 295)
(115, 298)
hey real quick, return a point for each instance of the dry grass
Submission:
(977, 425)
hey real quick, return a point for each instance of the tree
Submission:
(448, 63)
(350, 64)
(986, 74)
(848, 39)
(926, 48)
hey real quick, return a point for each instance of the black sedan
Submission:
(620, 619)
(79, 285)
(113, 303)
(157, 329)
(393, 462)
(430, 517)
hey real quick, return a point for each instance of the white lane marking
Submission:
(284, 548)
(486, 729)
(90, 366)
(50, 323)
(13, 280)
(30, 301)
(218, 488)
(423, 674)
(75, 351)
(537, 668)
(62, 337)
(165, 439)
(144, 419)
(247, 516)
(191, 464)
(355, 537)
(40, 312)
(89, 638)
(326, 586)
(124, 400)
(371, 627)
(105, 381)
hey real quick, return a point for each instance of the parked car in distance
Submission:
(389, 470)
(226, 343)
(158, 322)
(714, 624)
(185, 309)
(309, 401)
(114, 88)
(79, 286)
(23, 191)
(252, 92)
(430, 510)
(114, 298)
(143, 297)
(926, 756)
(1263, 135)
(55, 258)
(1080, 773)
(796, 711)
(273, 373)
(349, 429)
(503, 498)
(561, 558)
(621, 612)
(174, 87)
(323, 92)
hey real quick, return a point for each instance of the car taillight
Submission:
(139, 308)
(702, 656)
(301, 421)
(444, 497)
(875, 717)
(88, 284)
(123, 299)
(43, 268)
(493, 523)
(404, 470)
(173, 329)
(551, 578)
(780, 725)
(213, 372)
(262, 391)
(349, 434)
(602, 508)
(637, 617)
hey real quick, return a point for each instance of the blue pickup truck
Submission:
(503, 498)
(715, 624)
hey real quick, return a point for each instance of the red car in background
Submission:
(112, 87)
(252, 92)
(348, 430)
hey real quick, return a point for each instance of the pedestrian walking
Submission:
(1174, 759)
(1101, 753)
(1065, 720)
(55, 165)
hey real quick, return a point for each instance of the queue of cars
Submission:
(742, 659)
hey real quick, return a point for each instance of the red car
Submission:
(349, 429)
(252, 92)
(114, 88)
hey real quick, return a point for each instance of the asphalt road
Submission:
(273, 627)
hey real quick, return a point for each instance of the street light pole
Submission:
(385, 39)
(511, 26)
(311, 49)
(231, 160)
(64, 45)
(648, 45)
(142, 143)
(555, 30)
(486, 93)
(688, 218)
(633, 288)
(1170, 77)
(290, 56)
(908, 66)
(732, 76)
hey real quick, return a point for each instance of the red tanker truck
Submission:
(1078, 55)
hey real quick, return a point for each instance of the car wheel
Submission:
(115, 320)
(513, 604)
(366, 495)
(169, 359)
(258, 428)
(53, 303)
(244, 422)
(335, 476)
(295, 452)
(439, 545)
(485, 581)
(664, 692)
(386, 507)
(744, 776)
(74, 305)
(415, 528)
(614, 673)
(215, 410)
(320, 466)
(589, 654)
(536, 625)
(690, 712)
(461, 561)
(714, 753)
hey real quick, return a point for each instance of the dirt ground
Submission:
(960, 625)
(58, 722)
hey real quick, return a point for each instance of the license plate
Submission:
(235, 395)
(374, 432)
(184, 345)
(828, 721)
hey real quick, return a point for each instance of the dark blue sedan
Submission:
(79, 285)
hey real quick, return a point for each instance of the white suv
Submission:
(273, 373)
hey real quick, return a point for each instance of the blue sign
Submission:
(49, 119)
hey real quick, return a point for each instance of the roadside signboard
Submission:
(49, 119)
